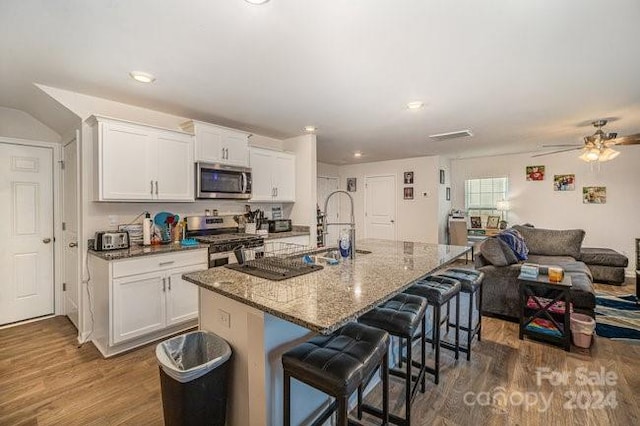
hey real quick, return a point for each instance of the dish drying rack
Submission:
(276, 261)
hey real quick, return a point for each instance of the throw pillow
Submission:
(514, 240)
(492, 251)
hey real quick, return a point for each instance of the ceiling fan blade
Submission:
(562, 145)
(557, 152)
(627, 140)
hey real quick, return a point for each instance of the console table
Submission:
(551, 310)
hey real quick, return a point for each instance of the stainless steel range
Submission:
(222, 236)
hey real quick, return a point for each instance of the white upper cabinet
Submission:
(217, 144)
(273, 175)
(135, 162)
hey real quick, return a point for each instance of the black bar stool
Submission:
(471, 282)
(439, 291)
(400, 316)
(337, 365)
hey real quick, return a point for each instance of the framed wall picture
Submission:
(535, 173)
(442, 176)
(351, 184)
(594, 194)
(564, 182)
(408, 178)
(448, 192)
(476, 222)
(408, 193)
(492, 222)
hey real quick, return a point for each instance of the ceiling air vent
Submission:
(451, 135)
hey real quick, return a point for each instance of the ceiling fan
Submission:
(597, 147)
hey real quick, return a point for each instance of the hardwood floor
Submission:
(45, 379)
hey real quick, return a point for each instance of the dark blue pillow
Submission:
(515, 241)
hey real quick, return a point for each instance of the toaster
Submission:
(111, 240)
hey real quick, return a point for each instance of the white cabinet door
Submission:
(208, 143)
(261, 171)
(236, 149)
(138, 306)
(175, 173)
(126, 162)
(182, 296)
(284, 176)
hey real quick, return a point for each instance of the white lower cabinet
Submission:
(142, 299)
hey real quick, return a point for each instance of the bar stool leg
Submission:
(480, 314)
(342, 412)
(457, 326)
(436, 340)
(470, 326)
(287, 401)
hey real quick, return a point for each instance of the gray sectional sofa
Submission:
(546, 247)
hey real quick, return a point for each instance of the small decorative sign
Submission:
(535, 173)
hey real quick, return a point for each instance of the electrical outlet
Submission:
(113, 220)
(224, 318)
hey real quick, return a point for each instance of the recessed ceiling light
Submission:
(142, 77)
(256, 1)
(310, 129)
(415, 105)
(357, 154)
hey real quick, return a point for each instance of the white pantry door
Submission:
(380, 207)
(70, 231)
(26, 232)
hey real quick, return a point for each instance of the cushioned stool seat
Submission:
(439, 291)
(337, 365)
(401, 316)
(470, 281)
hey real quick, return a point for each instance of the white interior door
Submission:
(26, 232)
(70, 231)
(380, 207)
(326, 185)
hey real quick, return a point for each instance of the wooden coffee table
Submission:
(545, 310)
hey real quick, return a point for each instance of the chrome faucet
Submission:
(352, 224)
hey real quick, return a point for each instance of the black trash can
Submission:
(193, 379)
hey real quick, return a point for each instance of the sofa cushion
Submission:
(552, 242)
(516, 242)
(603, 256)
(497, 252)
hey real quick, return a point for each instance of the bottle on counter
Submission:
(146, 230)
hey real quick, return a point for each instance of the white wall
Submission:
(614, 224)
(15, 123)
(304, 209)
(417, 219)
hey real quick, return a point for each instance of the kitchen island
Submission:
(261, 319)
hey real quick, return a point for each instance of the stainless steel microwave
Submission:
(221, 181)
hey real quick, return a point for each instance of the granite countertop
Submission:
(325, 300)
(137, 251)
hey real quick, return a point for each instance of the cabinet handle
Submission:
(170, 262)
(151, 183)
(164, 284)
(169, 283)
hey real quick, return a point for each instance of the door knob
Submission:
(46, 240)
(73, 244)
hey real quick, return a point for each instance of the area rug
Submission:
(618, 317)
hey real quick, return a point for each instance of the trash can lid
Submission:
(192, 355)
